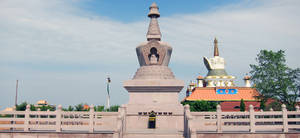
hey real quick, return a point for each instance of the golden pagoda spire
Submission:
(216, 49)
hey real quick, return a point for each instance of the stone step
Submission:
(153, 134)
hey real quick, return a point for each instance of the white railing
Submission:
(249, 121)
(116, 122)
(58, 121)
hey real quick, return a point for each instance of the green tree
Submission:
(276, 106)
(197, 106)
(274, 79)
(70, 108)
(113, 108)
(79, 107)
(21, 107)
(99, 108)
(43, 108)
(32, 107)
(242, 105)
(51, 108)
(48, 107)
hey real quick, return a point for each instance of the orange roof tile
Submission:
(210, 94)
(199, 77)
(192, 84)
(247, 78)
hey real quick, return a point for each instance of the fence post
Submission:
(252, 119)
(92, 112)
(27, 118)
(297, 108)
(186, 126)
(120, 119)
(189, 130)
(58, 118)
(124, 118)
(190, 123)
(284, 117)
(14, 116)
(219, 119)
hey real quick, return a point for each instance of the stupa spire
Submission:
(153, 30)
(216, 49)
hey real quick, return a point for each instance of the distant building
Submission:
(218, 86)
(8, 109)
(86, 107)
(42, 103)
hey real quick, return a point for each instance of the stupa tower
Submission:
(217, 76)
(154, 87)
(154, 83)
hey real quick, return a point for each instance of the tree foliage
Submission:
(262, 104)
(99, 108)
(197, 106)
(70, 108)
(48, 107)
(21, 107)
(276, 106)
(32, 107)
(113, 108)
(79, 107)
(242, 105)
(274, 79)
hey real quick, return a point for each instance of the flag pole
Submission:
(16, 98)
(108, 95)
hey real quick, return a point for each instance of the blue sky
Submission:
(134, 10)
(62, 51)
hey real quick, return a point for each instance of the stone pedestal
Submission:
(154, 88)
(154, 94)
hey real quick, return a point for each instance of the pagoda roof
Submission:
(211, 94)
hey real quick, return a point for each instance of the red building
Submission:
(228, 101)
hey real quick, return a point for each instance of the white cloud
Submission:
(60, 51)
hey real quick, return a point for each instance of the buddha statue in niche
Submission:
(153, 56)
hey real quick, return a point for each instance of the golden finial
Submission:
(216, 49)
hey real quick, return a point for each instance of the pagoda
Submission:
(218, 86)
(217, 76)
(154, 88)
